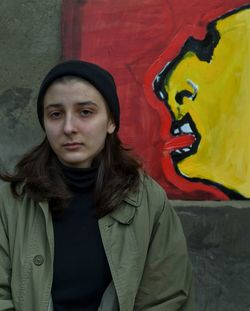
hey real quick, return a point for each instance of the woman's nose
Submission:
(70, 125)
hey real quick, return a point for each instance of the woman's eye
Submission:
(85, 113)
(55, 115)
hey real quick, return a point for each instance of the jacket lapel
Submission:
(121, 248)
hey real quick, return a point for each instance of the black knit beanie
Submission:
(101, 79)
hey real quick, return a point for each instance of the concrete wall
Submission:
(29, 46)
(218, 234)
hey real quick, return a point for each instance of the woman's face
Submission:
(76, 122)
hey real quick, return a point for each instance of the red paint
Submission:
(134, 39)
(177, 142)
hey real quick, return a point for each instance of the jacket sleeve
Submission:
(6, 303)
(167, 281)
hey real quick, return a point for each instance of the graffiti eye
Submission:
(180, 95)
(185, 93)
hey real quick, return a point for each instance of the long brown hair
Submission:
(39, 171)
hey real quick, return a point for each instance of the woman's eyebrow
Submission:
(59, 105)
(53, 106)
(87, 102)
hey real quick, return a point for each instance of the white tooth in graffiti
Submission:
(186, 149)
(176, 131)
(178, 151)
(185, 128)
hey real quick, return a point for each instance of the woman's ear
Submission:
(111, 127)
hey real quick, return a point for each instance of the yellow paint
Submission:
(221, 109)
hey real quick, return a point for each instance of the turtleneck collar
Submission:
(79, 179)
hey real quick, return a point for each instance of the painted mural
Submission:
(183, 78)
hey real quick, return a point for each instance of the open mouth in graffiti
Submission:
(185, 139)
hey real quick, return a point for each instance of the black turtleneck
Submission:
(81, 271)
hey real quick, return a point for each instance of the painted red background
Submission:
(127, 37)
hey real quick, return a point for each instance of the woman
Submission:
(81, 227)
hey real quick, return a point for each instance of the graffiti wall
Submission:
(182, 72)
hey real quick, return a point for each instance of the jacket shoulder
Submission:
(148, 190)
(153, 197)
(5, 192)
(153, 190)
(5, 201)
(152, 186)
(8, 202)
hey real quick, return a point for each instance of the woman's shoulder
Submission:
(5, 191)
(151, 187)
(149, 195)
(7, 199)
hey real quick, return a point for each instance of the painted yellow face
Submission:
(215, 93)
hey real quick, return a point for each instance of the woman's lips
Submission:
(72, 146)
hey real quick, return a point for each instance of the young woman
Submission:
(81, 226)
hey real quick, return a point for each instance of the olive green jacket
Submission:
(144, 245)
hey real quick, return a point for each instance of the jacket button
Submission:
(38, 260)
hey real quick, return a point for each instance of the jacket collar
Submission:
(134, 198)
(126, 212)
